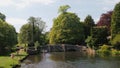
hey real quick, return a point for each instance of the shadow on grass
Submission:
(2, 67)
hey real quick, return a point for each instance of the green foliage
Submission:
(115, 52)
(115, 24)
(37, 44)
(2, 16)
(46, 37)
(37, 21)
(116, 41)
(32, 31)
(99, 35)
(8, 35)
(89, 21)
(88, 24)
(104, 50)
(67, 29)
(90, 41)
(63, 8)
(25, 35)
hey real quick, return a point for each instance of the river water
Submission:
(70, 60)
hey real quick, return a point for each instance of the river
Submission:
(70, 60)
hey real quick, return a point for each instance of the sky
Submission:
(18, 11)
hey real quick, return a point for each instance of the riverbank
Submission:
(8, 62)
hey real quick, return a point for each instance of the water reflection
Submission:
(70, 60)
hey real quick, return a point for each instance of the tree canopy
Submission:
(96, 39)
(8, 35)
(115, 24)
(32, 31)
(63, 8)
(105, 20)
(88, 24)
(67, 29)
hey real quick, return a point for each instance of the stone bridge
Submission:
(62, 48)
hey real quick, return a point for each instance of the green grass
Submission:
(8, 62)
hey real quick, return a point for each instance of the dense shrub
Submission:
(115, 52)
(104, 50)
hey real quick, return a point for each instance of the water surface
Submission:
(70, 60)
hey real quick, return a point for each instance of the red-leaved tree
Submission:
(105, 20)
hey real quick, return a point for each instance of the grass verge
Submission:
(8, 62)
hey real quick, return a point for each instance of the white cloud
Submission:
(16, 22)
(24, 3)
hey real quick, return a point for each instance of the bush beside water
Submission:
(106, 50)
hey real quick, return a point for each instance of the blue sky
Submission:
(18, 11)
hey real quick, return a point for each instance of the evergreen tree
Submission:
(88, 24)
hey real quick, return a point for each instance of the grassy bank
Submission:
(8, 62)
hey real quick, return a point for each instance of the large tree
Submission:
(25, 34)
(105, 20)
(115, 26)
(67, 29)
(88, 24)
(32, 31)
(36, 21)
(8, 35)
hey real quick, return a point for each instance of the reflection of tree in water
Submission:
(67, 56)
(34, 58)
(59, 56)
(71, 60)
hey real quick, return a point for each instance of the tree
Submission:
(2, 16)
(115, 24)
(46, 37)
(99, 35)
(32, 31)
(63, 8)
(115, 27)
(105, 20)
(8, 36)
(88, 24)
(25, 34)
(32, 23)
(96, 40)
(67, 29)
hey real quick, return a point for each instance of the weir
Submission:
(56, 48)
